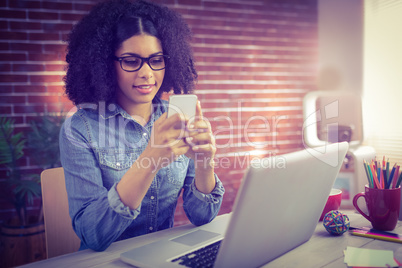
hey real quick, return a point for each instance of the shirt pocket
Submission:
(117, 159)
(177, 170)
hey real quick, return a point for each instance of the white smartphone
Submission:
(182, 104)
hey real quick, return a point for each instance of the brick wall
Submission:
(256, 60)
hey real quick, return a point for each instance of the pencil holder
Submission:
(383, 207)
(400, 209)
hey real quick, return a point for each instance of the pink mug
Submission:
(382, 205)
(333, 202)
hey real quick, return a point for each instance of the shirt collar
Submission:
(113, 109)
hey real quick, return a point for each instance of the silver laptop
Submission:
(276, 209)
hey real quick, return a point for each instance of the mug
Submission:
(333, 202)
(382, 205)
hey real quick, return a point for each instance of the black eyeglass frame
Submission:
(120, 60)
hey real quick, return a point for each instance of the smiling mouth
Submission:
(145, 89)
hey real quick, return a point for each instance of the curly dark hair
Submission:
(91, 76)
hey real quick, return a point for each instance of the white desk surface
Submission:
(322, 250)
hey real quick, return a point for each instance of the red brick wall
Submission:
(256, 60)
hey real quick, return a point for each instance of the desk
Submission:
(322, 250)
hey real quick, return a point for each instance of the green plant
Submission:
(11, 150)
(43, 142)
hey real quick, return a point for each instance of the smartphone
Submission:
(182, 104)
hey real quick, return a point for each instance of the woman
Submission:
(125, 162)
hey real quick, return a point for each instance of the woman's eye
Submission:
(157, 60)
(132, 62)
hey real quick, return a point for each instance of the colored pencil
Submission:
(395, 179)
(387, 178)
(369, 175)
(376, 235)
(369, 178)
(391, 176)
(380, 176)
(399, 181)
(384, 174)
(377, 183)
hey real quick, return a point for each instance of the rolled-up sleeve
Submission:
(214, 197)
(201, 208)
(119, 207)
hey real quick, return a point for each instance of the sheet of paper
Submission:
(363, 257)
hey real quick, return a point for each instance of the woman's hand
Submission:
(165, 145)
(167, 140)
(200, 139)
(202, 150)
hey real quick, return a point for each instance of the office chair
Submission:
(60, 236)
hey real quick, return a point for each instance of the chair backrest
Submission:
(60, 236)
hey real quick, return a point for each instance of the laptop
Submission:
(276, 209)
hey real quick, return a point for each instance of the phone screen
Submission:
(183, 104)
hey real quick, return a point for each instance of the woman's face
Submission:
(140, 87)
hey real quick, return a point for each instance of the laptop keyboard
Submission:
(203, 257)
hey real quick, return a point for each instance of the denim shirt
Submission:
(98, 144)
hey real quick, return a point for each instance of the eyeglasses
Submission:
(134, 63)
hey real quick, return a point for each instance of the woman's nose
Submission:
(145, 72)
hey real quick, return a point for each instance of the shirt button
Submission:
(152, 197)
(118, 164)
(144, 134)
(151, 228)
